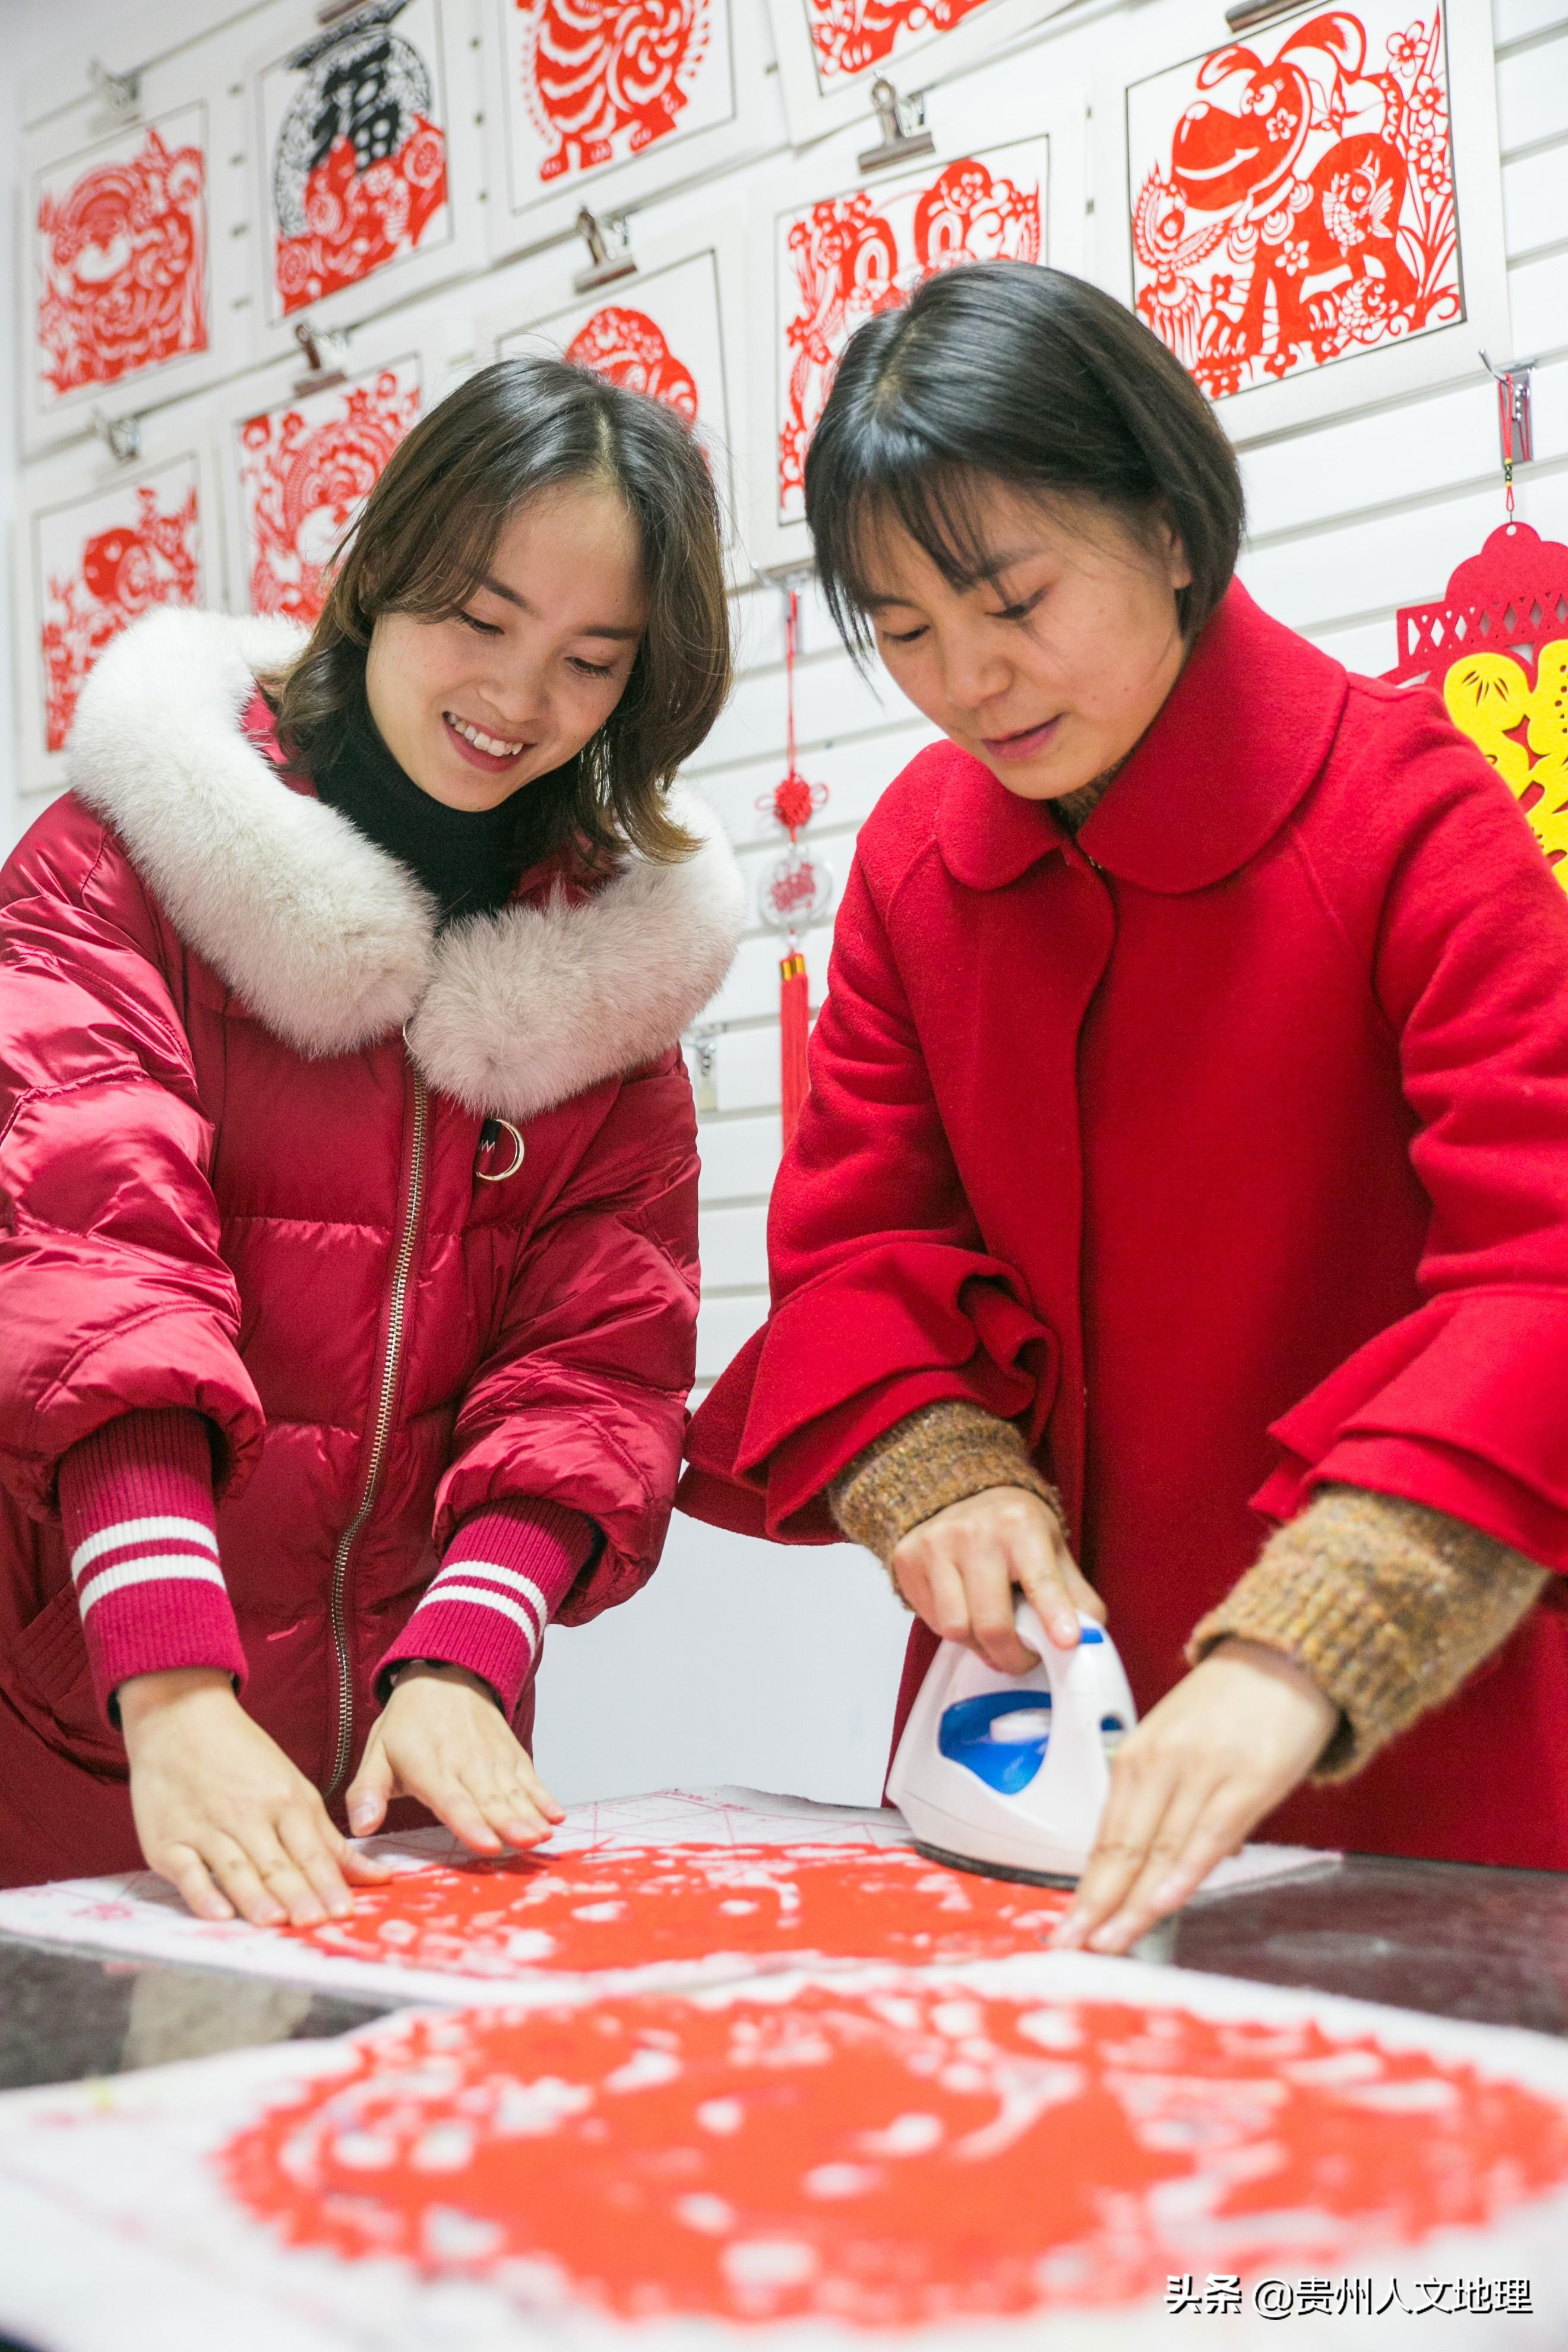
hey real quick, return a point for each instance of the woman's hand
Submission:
(1199, 1772)
(223, 1814)
(958, 1571)
(442, 1738)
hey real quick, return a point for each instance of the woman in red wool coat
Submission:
(347, 1162)
(1186, 1152)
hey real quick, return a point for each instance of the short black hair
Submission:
(1002, 370)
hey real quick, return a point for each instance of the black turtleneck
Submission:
(468, 859)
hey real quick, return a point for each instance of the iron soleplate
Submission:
(993, 1869)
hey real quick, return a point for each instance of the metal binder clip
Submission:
(703, 1064)
(1248, 12)
(1516, 424)
(901, 122)
(121, 436)
(610, 254)
(119, 95)
(324, 352)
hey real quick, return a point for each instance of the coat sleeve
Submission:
(113, 1294)
(1463, 1405)
(582, 1400)
(884, 1299)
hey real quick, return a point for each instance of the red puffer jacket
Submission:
(243, 1090)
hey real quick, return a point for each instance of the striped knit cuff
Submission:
(136, 1500)
(508, 1568)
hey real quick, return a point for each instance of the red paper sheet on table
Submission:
(1039, 2147)
(684, 1887)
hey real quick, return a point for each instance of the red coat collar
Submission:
(1240, 736)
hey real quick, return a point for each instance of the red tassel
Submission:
(794, 1024)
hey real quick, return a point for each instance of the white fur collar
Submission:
(332, 943)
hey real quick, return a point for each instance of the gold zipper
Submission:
(402, 1267)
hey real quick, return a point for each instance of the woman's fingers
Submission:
(188, 1875)
(1144, 1783)
(960, 1569)
(1166, 1859)
(239, 1879)
(511, 1813)
(1037, 1564)
(1172, 1878)
(372, 1791)
(312, 1843)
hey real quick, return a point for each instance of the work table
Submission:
(1490, 1946)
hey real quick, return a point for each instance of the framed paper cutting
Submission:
(826, 261)
(831, 51)
(668, 330)
(1310, 216)
(299, 458)
(367, 188)
(96, 545)
(128, 270)
(607, 102)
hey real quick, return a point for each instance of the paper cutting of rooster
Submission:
(600, 75)
(1302, 206)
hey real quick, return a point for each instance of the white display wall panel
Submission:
(131, 265)
(98, 544)
(831, 51)
(367, 160)
(1311, 217)
(299, 458)
(611, 103)
(673, 330)
(831, 248)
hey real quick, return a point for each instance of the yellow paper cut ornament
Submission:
(1496, 650)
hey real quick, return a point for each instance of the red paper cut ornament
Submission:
(796, 889)
(1495, 648)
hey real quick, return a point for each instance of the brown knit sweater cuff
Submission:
(1387, 1605)
(941, 1454)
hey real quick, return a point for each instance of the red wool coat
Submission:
(1227, 1149)
(243, 1090)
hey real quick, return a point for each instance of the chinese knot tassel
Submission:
(795, 1023)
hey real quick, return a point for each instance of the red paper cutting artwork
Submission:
(847, 36)
(360, 167)
(911, 2155)
(629, 347)
(1293, 207)
(305, 470)
(854, 256)
(123, 266)
(1496, 650)
(123, 571)
(599, 72)
(640, 1906)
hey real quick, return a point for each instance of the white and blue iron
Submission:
(1008, 1774)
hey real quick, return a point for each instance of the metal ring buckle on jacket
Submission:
(489, 1136)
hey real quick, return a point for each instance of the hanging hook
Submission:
(324, 350)
(901, 122)
(610, 254)
(119, 93)
(121, 436)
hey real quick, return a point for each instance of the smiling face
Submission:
(512, 685)
(1052, 664)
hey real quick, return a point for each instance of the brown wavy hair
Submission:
(425, 540)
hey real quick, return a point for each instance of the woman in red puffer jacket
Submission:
(347, 1162)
